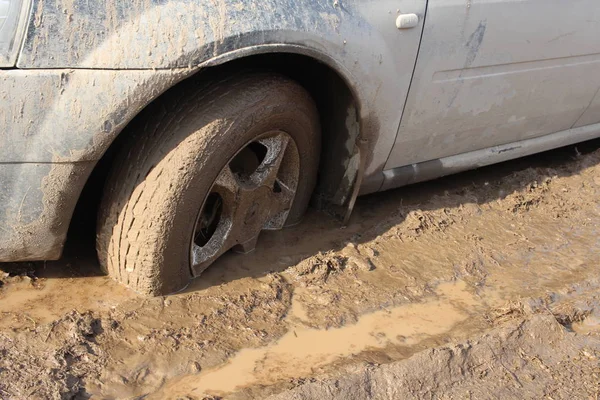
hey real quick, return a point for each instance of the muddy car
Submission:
(206, 122)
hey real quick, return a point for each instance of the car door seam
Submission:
(409, 87)
(587, 108)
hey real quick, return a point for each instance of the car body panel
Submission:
(437, 168)
(47, 157)
(492, 72)
(38, 200)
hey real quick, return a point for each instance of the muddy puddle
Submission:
(302, 350)
(415, 269)
(25, 303)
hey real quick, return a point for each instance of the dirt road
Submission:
(482, 285)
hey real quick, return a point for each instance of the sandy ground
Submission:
(481, 285)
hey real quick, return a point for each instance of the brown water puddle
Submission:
(24, 303)
(304, 349)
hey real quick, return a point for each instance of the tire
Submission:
(159, 180)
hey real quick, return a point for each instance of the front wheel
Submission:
(205, 171)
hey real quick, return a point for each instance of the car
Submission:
(200, 123)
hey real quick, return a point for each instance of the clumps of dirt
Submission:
(552, 192)
(568, 316)
(532, 195)
(569, 306)
(21, 281)
(472, 270)
(353, 267)
(51, 361)
(575, 304)
(412, 222)
(21, 274)
(417, 222)
(508, 312)
(316, 270)
(557, 191)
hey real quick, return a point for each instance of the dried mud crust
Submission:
(522, 239)
(176, 151)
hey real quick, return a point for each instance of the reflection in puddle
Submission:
(303, 349)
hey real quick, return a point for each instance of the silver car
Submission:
(204, 122)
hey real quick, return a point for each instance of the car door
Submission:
(493, 72)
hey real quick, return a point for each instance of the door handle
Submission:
(407, 21)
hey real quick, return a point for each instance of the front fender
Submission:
(187, 34)
(141, 34)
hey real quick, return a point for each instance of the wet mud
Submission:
(502, 261)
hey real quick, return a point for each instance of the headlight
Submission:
(13, 18)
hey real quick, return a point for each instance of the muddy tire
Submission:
(177, 150)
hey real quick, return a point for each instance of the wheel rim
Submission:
(254, 191)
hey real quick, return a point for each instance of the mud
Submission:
(508, 362)
(483, 284)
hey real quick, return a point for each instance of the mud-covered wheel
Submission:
(203, 173)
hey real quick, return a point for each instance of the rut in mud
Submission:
(501, 260)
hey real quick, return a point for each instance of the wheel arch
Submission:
(331, 86)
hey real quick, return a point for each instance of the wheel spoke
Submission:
(266, 173)
(222, 239)
(281, 203)
(228, 181)
(285, 195)
(203, 256)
